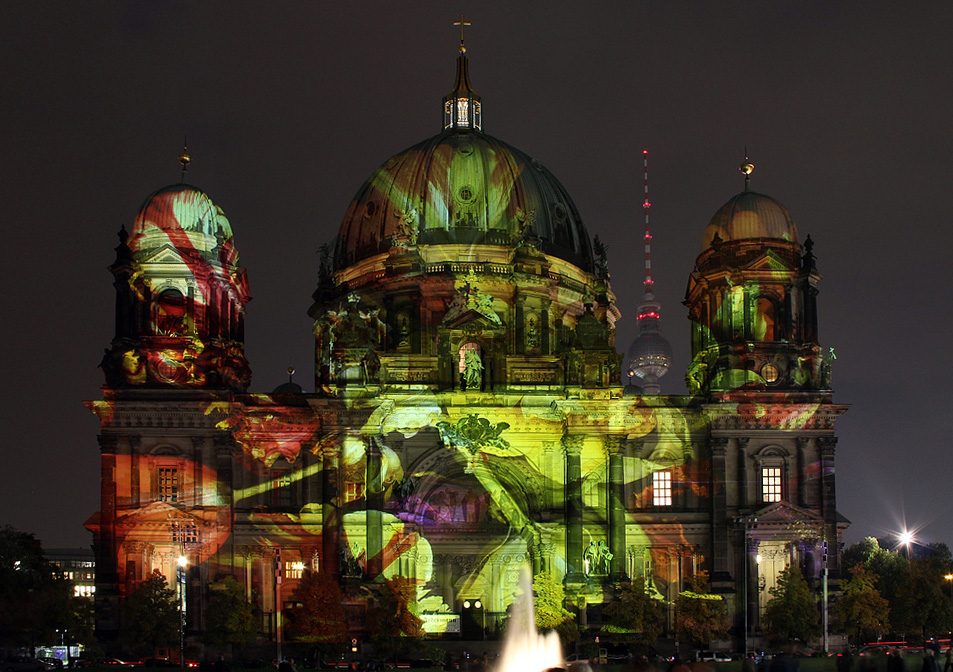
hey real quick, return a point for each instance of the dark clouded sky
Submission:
(846, 109)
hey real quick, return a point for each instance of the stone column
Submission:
(574, 509)
(329, 499)
(826, 446)
(743, 471)
(802, 444)
(374, 496)
(616, 490)
(719, 504)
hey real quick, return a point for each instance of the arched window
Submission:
(170, 313)
(764, 319)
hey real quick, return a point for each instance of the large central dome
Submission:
(463, 187)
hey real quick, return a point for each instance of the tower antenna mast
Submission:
(646, 205)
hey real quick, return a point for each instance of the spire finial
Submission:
(463, 24)
(184, 157)
(461, 107)
(747, 168)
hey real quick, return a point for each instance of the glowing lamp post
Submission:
(180, 575)
(478, 605)
(906, 538)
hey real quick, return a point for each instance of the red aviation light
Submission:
(646, 204)
(651, 313)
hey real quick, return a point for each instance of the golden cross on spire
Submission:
(463, 24)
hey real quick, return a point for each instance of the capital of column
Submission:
(572, 443)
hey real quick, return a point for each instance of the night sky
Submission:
(845, 108)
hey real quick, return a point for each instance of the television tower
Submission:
(650, 355)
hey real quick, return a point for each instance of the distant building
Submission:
(467, 417)
(79, 566)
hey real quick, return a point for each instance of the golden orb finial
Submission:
(184, 157)
(746, 167)
(291, 370)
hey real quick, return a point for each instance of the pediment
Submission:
(768, 262)
(166, 254)
(785, 513)
(473, 320)
(158, 512)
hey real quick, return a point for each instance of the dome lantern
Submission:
(461, 107)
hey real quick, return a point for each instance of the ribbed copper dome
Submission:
(463, 187)
(186, 217)
(181, 207)
(750, 215)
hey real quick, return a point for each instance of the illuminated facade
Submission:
(467, 417)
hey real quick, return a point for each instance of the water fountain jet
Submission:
(524, 648)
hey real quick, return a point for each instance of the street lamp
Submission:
(949, 577)
(906, 538)
(180, 574)
(478, 605)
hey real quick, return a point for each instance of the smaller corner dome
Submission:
(181, 208)
(750, 215)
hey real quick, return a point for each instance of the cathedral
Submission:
(467, 417)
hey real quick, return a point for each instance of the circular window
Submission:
(466, 149)
(465, 194)
(370, 208)
(559, 212)
(770, 373)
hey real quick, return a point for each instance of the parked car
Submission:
(56, 663)
(705, 656)
(25, 664)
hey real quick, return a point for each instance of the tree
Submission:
(391, 622)
(635, 616)
(229, 618)
(791, 613)
(926, 605)
(320, 619)
(861, 609)
(34, 598)
(550, 614)
(150, 615)
(700, 616)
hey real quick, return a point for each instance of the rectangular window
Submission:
(662, 488)
(294, 570)
(771, 484)
(184, 532)
(168, 484)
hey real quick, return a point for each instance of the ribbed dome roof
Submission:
(751, 215)
(178, 209)
(463, 187)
